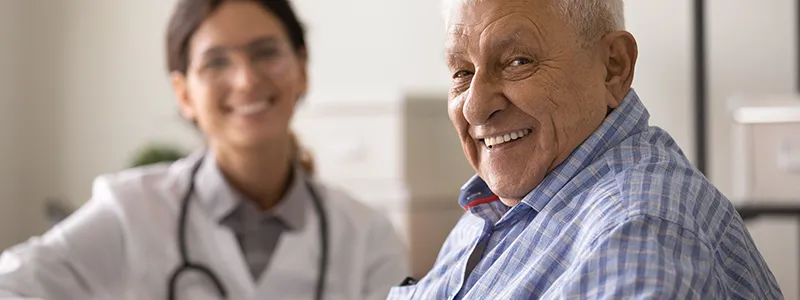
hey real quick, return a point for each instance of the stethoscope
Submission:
(187, 265)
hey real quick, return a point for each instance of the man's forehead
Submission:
(471, 12)
(467, 19)
(461, 37)
(511, 27)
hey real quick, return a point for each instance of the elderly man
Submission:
(576, 196)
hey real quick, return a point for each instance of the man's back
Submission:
(625, 216)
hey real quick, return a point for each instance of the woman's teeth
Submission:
(252, 108)
(497, 140)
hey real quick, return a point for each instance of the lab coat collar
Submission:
(290, 210)
(221, 200)
(214, 193)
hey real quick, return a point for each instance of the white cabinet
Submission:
(767, 151)
(398, 154)
(766, 164)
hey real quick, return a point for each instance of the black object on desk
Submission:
(408, 281)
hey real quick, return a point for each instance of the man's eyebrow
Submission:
(452, 58)
(455, 52)
(506, 39)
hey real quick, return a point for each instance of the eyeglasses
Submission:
(261, 60)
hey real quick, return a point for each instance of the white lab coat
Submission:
(122, 244)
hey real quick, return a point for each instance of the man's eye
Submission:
(520, 62)
(461, 74)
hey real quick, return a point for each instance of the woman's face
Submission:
(244, 77)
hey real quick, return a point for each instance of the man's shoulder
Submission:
(651, 177)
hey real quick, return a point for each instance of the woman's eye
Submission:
(520, 62)
(216, 63)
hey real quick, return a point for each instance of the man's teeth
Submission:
(251, 108)
(497, 140)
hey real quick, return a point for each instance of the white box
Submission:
(766, 170)
(399, 154)
(766, 151)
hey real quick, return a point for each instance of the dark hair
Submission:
(189, 14)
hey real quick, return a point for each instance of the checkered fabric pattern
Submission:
(626, 216)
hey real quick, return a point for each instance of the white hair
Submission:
(589, 18)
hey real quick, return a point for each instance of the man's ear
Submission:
(622, 53)
(179, 87)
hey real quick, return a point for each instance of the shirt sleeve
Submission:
(387, 262)
(80, 258)
(643, 258)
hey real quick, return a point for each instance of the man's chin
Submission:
(511, 189)
(510, 195)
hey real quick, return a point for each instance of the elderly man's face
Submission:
(525, 91)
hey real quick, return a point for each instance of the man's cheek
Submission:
(471, 151)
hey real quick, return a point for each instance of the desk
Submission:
(749, 212)
(752, 211)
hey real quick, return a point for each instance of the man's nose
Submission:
(484, 98)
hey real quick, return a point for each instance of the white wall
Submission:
(11, 35)
(113, 89)
(367, 46)
(663, 77)
(41, 110)
(751, 52)
(87, 89)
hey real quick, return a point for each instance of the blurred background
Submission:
(83, 90)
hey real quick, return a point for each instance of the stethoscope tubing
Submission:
(187, 265)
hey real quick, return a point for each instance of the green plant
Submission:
(157, 153)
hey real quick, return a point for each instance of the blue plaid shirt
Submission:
(626, 216)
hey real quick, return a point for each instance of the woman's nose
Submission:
(246, 77)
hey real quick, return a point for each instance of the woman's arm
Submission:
(387, 260)
(80, 258)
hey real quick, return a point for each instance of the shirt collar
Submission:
(627, 119)
(223, 202)
(291, 208)
(475, 192)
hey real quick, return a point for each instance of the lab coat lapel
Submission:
(293, 269)
(224, 255)
(226, 259)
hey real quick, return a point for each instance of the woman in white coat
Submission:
(241, 219)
